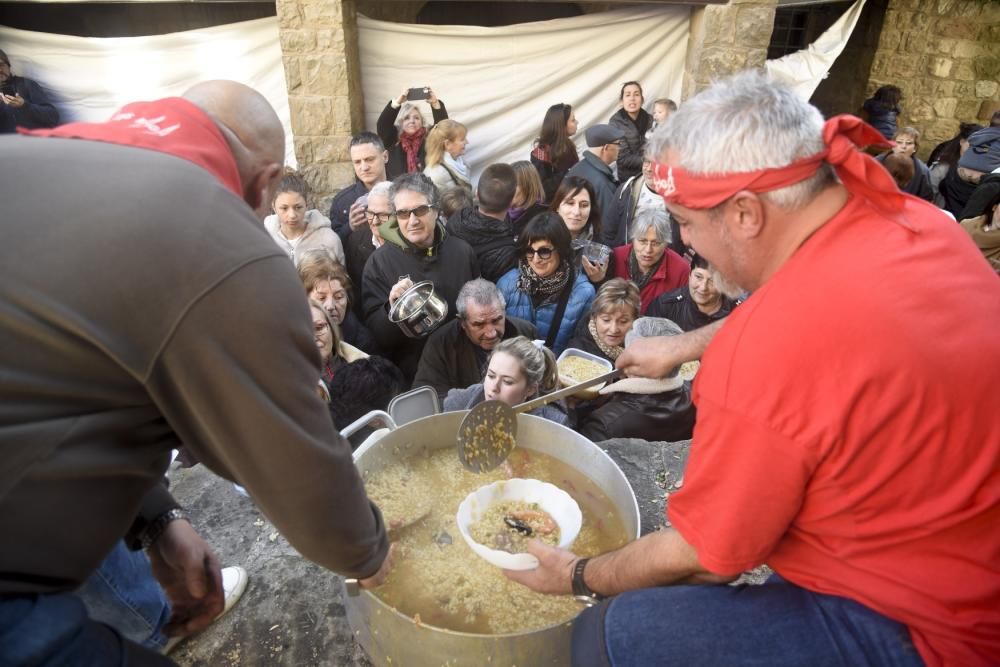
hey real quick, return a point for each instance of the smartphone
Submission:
(417, 94)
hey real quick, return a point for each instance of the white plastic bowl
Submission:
(559, 504)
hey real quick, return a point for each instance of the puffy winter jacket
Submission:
(492, 239)
(633, 143)
(519, 305)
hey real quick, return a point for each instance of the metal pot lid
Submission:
(411, 301)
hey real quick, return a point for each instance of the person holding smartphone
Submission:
(401, 128)
(22, 102)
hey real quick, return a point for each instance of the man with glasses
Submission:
(417, 247)
(604, 142)
(22, 102)
(456, 355)
(364, 240)
(368, 156)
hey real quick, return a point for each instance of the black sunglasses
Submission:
(543, 253)
(420, 211)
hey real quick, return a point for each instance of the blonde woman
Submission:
(518, 371)
(612, 313)
(446, 144)
(401, 128)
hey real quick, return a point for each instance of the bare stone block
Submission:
(944, 7)
(969, 8)
(925, 87)
(941, 129)
(944, 107)
(990, 35)
(342, 114)
(880, 66)
(331, 149)
(288, 14)
(303, 149)
(717, 63)
(297, 41)
(957, 28)
(941, 45)
(990, 14)
(322, 13)
(754, 26)
(987, 89)
(940, 67)
(967, 49)
(904, 66)
(965, 89)
(890, 39)
(920, 111)
(988, 108)
(967, 109)
(719, 25)
(946, 88)
(919, 21)
(987, 68)
(964, 71)
(293, 80)
(330, 40)
(314, 115)
(324, 74)
(756, 58)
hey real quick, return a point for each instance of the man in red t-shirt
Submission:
(843, 432)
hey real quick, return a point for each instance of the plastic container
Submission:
(589, 393)
(556, 502)
(598, 253)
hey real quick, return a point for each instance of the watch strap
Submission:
(154, 529)
(580, 588)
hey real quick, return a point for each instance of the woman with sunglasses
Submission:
(546, 288)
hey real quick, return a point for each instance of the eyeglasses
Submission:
(543, 253)
(372, 215)
(420, 211)
(320, 328)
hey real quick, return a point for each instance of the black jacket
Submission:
(357, 250)
(955, 191)
(353, 331)
(37, 113)
(451, 361)
(668, 417)
(984, 194)
(633, 143)
(582, 340)
(449, 264)
(518, 224)
(387, 132)
(678, 307)
(491, 239)
(340, 209)
(551, 174)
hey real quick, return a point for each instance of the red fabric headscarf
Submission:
(860, 173)
(172, 125)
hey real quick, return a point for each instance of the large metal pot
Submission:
(390, 638)
(419, 310)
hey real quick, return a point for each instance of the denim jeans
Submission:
(124, 594)
(776, 624)
(54, 631)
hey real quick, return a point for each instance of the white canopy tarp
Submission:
(92, 77)
(804, 70)
(499, 82)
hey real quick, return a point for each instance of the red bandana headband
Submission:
(172, 125)
(860, 173)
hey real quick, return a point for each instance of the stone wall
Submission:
(319, 50)
(945, 56)
(726, 39)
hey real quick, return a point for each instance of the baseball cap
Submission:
(598, 135)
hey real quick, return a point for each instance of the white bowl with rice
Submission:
(529, 493)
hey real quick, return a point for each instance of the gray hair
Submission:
(655, 219)
(650, 327)
(537, 363)
(381, 189)
(745, 123)
(404, 109)
(415, 182)
(482, 292)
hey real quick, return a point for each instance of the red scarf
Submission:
(411, 144)
(860, 173)
(172, 125)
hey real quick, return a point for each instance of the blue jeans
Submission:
(54, 631)
(124, 594)
(775, 624)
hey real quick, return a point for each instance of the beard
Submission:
(725, 285)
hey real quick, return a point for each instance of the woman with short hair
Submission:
(518, 371)
(546, 288)
(554, 151)
(612, 313)
(647, 261)
(401, 128)
(327, 283)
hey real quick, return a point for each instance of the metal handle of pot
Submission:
(567, 391)
(378, 416)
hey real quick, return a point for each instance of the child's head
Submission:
(906, 142)
(662, 108)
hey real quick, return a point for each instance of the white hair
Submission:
(745, 123)
(655, 219)
(481, 292)
(380, 189)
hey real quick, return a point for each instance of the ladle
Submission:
(488, 434)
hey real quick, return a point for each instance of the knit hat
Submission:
(4, 58)
(599, 135)
(983, 153)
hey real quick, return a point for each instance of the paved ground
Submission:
(292, 613)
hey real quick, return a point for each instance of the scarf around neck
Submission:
(635, 273)
(542, 290)
(411, 144)
(610, 351)
(458, 166)
(172, 125)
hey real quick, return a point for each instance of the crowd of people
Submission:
(638, 251)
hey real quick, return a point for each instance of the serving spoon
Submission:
(488, 434)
